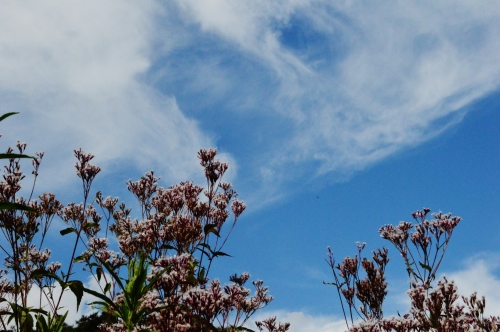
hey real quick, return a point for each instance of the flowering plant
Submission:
(434, 307)
(167, 254)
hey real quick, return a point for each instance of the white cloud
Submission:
(335, 87)
(73, 69)
(480, 275)
(91, 49)
(407, 68)
(303, 322)
(368, 81)
(68, 301)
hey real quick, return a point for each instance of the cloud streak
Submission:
(74, 72)
(346, 84)
(303, 322)
(480, 275)
(294, 90)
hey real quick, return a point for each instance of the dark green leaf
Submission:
(39, 273)
(26, 321)
(211, 228)
(67, 231)
(42, 324)
(203, 251)
(201, 275)
(191, 280)
(38, 311)
(427, 267)
(152, 282)
(242, 328)
(432, 320)
(107, 288)
(90, 225)
(76, 287)
(60, 322)
(6, 115)
(15, 156)
(98, 271)
(204, 245)
(220, 253)
(15, 206)
(113, 274)
(107, 302)
(80, 258)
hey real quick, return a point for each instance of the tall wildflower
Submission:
(434, 306)
(182, 230)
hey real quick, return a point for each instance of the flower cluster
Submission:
(434, 307)
(369, 291)
(430, 240)
(167, 253)
(24, 224)
(181, 232)
(272, 326)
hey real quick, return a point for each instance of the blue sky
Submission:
(336, 118)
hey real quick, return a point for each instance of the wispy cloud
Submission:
(480, 274)
(303, 322)
(74, 71)
(303, 89)
(346, 84)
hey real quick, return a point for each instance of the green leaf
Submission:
(38, 311)
(15, 156)
(432, 320)
(67, 231)
(26, 320)
(60, 322)
(23, 314)
(220, 253)
(153, 281)
(242, 328)
(15, 206)
(167, 246)
(103, 306)
(190, 280)
(98, 271)
(211, 228)
(90, 225)
(42, 323)
(6, 115)
(201, 275)
(77, 288)
(39, 273)
(80, 258)
(113, 274)
(203, 251)
(427, 267)
(107, 302)
(205, 245)
(107, 288)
